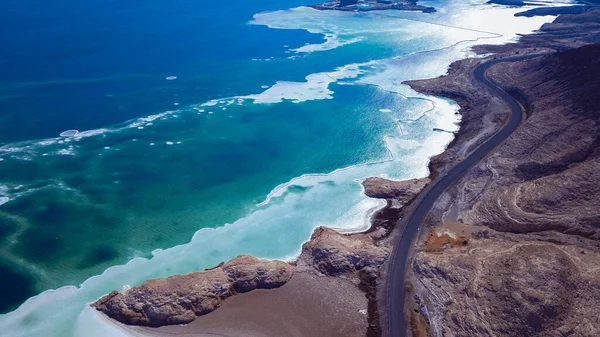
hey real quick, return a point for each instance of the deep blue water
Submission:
(84, 65)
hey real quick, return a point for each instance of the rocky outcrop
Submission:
(502, 285)
(332, 253)
(180, 299)
(404, 191)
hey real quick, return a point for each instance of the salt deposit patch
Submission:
(316, 22)
(69, 133)
(332, 41)
(66, 152)
(316, 87)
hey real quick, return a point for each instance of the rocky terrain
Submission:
(512, 249)
(402, 191)
(180, 299)
(338, 261)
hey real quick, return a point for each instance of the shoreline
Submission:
(383, 221)
(331, 257)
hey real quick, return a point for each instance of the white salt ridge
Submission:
(332, 41)
(69, 133)
(316, 87)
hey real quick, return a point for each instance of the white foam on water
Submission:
(4, 200)
(385, 110)
(171, 78)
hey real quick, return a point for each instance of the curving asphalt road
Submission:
(395, 281)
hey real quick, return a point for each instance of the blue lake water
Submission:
(206, 130)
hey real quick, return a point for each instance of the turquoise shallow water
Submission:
(271, 123)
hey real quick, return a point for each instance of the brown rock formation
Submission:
(333, 253)
(505, 285)
(404, 191)
(180, 299)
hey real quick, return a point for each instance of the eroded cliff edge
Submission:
(513, 249)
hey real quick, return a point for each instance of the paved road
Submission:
(395, 281)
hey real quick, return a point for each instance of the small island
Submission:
(372, 5)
